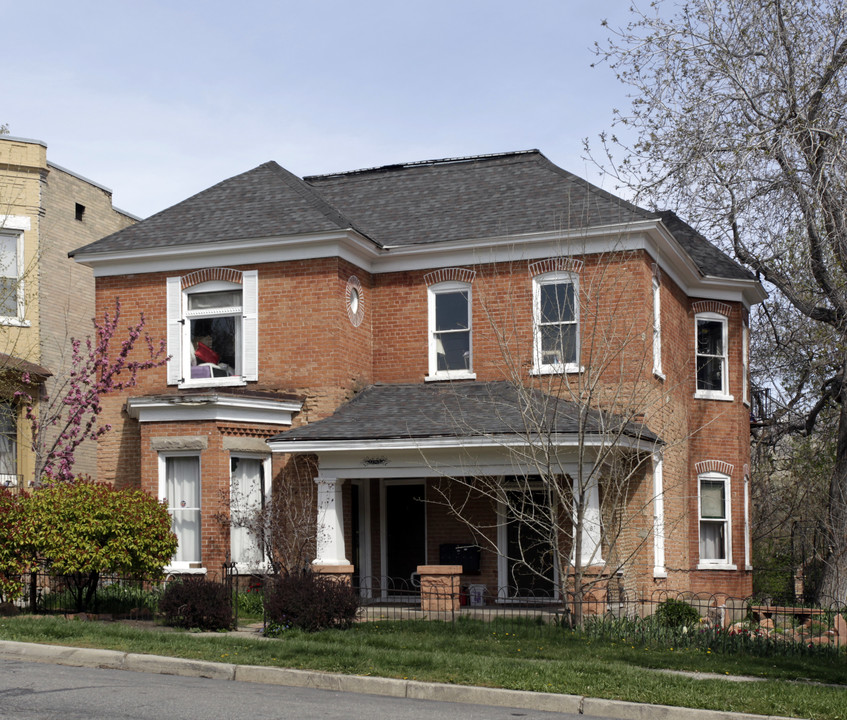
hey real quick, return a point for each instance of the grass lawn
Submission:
(472, 653)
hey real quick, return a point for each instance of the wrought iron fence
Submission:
(674, 618)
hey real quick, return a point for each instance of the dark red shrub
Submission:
(197, 603)
(310, 602)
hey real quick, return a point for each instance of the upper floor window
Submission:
(555, 322)
(657, 328)
(11, 290)
(212, 328)
(714, 519)
(450, 341)
(711, 356)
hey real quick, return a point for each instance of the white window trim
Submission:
(178, 334)
(657, 329)
(264, 565)
(181, 567)
(659, 568)
(552, 278)
(745, 364)
(717, 563)
(434, 374)
(18, 319)
(723, 393)
(747, 564)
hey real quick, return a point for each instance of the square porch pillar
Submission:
(440, 587)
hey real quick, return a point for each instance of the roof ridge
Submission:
(424, 163)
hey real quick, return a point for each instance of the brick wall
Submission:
(309, 346)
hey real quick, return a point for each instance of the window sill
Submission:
(569, 369)
(235, 381)
(455, 375)
(716, 566)
(15, 322)
(660, 574)
(712, 395)
(184, 570)
(659, 376)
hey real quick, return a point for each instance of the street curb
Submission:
(388, 687)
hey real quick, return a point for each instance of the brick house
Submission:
(388, 336)
(45, 299)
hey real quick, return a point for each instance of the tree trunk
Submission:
(834, 583)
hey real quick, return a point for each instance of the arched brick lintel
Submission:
(208, 274)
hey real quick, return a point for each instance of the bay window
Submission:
(711, 356)
(714, 502)
(179, 487)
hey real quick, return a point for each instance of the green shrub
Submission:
(676, 613)
(310, 602)
(251, 603)
(197, 603)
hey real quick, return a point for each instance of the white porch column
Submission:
(330, 539)
(592, 551)
(659, 570)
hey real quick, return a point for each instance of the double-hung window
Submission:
(11, 290)
(213, 330)
(711, 356)
(248, 495)
(556, 322)
(8, 444)
(450, 339)
(179, 487)
(714, 501)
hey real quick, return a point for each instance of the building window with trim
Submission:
(711, 355)
(8, 444)
(213, 331)
(714, 501)
(11, 290)
(249, 494)
(450, 336)
(745, 364)
(179, 487)
(657, 328)
(556, 322)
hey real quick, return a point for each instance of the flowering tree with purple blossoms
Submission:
(101, 364)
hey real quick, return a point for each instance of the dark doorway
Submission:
(405, 533)
(528, 549)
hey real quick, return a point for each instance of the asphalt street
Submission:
(37, 691)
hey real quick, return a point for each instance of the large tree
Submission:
(738, 119)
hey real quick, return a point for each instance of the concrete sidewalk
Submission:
(86, 657)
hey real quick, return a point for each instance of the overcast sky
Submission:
(160, 99)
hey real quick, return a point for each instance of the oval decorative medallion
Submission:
(354, 299)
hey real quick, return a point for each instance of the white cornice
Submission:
(649, 235)
(212, 406)
(562, 440)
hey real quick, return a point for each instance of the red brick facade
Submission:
(310, 348)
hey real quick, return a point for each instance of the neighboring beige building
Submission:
(45, 298)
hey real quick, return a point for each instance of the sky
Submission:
(160, 99)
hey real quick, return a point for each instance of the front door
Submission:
(405, 533)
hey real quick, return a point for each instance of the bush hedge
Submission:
(197, 603)
(310, 602)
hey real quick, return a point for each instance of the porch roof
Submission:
(465, 410)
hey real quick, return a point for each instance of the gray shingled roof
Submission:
(267, 201)
(464, 410)
(399, 205)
